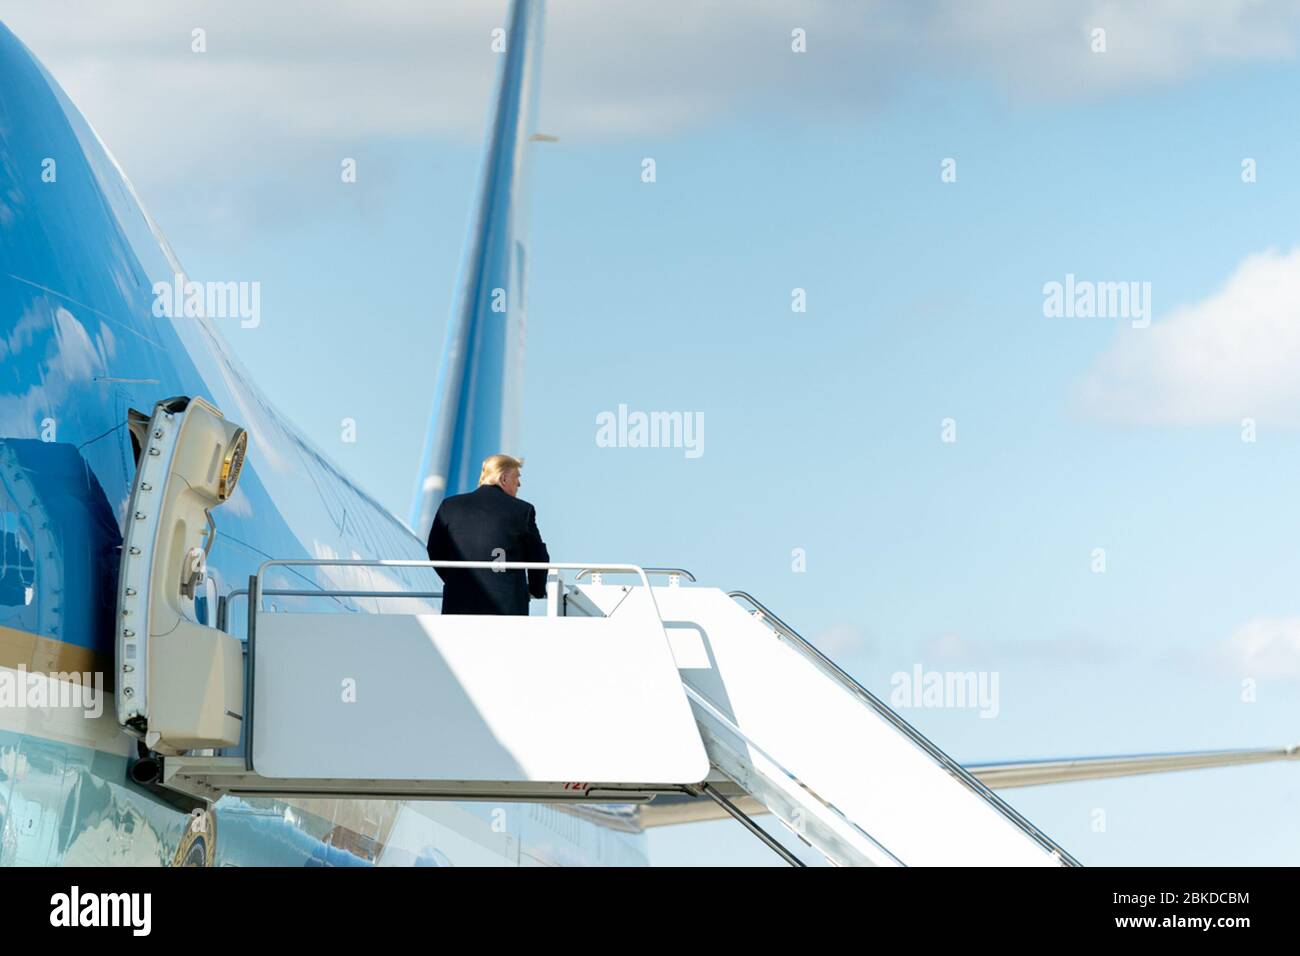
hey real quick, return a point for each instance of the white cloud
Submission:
(240, 136)
(338, 71)
(1232, 356)
(1061, 650)
(839, 640)
(1043, 49)
(341, 70)
(1264, 648)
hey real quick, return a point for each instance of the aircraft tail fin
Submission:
(477, 403)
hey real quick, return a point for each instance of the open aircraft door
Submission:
(180, 684)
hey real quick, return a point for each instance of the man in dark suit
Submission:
(489, 524)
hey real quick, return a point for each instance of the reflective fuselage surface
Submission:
(81, 345)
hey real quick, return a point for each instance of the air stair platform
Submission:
(619, 693)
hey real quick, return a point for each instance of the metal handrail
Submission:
(669, 571)
(224, 601)
(487, 565)
(228, 598)
(308, 592)
(874, 702)
(255, 581)
(255, 594)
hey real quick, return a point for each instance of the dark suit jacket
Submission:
(486, 525)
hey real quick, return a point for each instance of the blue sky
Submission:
(822, 430)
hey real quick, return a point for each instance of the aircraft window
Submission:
(17, 563)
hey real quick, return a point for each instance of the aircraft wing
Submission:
(1032, 773)
(671, 809)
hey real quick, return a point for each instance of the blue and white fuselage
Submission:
(82, 344)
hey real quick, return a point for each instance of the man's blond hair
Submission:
(494, 466)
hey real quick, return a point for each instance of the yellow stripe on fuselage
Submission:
(47, 655)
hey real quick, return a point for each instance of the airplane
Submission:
(94, 372)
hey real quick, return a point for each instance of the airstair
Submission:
(336, 677)
(790, 731)
(620, 693)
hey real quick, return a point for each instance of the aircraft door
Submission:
(180, 684)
